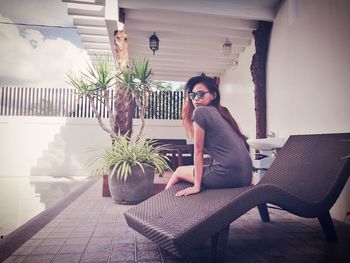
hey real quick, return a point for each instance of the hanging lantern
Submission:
(226, 48)
(154, 42)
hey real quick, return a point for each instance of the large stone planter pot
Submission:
(137, 187)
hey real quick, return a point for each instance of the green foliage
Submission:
(97, 77)
(99, 74)
(127, 81)
(80, 84)
(127, 152)
(141, 70)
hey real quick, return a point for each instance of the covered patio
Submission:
(306, 92)
(289, 82)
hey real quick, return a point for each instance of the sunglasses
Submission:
(200, 94)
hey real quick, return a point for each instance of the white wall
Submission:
(237, 92)
(309, 68)
(54, 146)
(308, 73)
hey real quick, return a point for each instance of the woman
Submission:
(212, 127)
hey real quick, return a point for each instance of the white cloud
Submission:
(30, 59)
(52, 12)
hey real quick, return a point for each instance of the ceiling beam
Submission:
(199, 49)
(185, 38)
(180, 78)
(228, 9)
(167, 64)
(94, 39)
(138, 42)
(96, 31)
(85, 10)
(92, 21)
(217, 53)
(102, 46)
(94, 52)
(186, 73)
(187, 30)
(184, 60)
(186, 56)
(184, 18)
(89, 2)
(186, 69)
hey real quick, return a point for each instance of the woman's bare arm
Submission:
(199, 133)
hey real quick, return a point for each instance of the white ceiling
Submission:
(191, 32)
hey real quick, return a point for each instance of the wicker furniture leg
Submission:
(264, 213)
(219, 244)
(328, 227)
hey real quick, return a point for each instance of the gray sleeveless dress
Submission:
(231, 165)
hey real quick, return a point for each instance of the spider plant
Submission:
(127, 152)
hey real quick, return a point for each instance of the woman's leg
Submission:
(182, 173)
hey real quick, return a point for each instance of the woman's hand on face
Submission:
(189, 191)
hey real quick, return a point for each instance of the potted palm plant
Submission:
(129, 157)
(131, 163)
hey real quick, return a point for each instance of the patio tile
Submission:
(143, 255)
(98, 257)
(44, 250)
(58, 235)
(84, 228)
(99, 245)
(52, 241)
(53, 223)
(63, 230)
(107, 219)
(123, 247)
(77, 234)
(67, 258)
(40, 235)
(14, 259)
(124, 239)
(123, 255)
(32, 242)
(72, 249)
(103, 232)
(70, 223)
(77, 241)
(22, 251)
(146, 246)
(149, 261)
(38, 259)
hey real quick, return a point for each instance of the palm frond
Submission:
(142, 72)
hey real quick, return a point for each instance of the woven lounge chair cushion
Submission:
(305, 179)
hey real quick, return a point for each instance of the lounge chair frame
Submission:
(306, 179)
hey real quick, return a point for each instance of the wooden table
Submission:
(177, 151)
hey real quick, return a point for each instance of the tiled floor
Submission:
(93, 229)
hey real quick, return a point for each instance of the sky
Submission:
(37, 56)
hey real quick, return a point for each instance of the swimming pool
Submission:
(22, 198)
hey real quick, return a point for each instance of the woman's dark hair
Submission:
(188, 107)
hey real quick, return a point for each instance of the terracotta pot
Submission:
(137, 187)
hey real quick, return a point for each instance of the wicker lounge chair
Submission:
(305, 179)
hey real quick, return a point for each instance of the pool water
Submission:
(22, 198)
